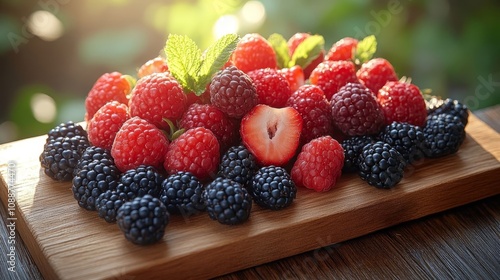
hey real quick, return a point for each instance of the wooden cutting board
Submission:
(68, 242)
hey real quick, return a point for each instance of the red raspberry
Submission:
(210, 117)
(294, 42)
(139, 142)
(253, 52)
(330, 76)
(272, 88)
(355, 110)
(319, 164)
(109, 87)
(157, 97)
(294, 75)
(102, 128)
(196, 151)
(233, 92)
(204, 98)
(155, 65)
(375, 73)
(342, 50)
(315, 110)
(402, 102)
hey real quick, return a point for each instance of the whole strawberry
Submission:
(139, 142)
(196, 151)
(272, 88)
(294, 42)
(109, 87)
(330, 76)
(319, 164)
(155, 65)
(253, 52)
(294, 75)
(157, 97)
(375, 73)
(342, 50)
(402, 102)
(107, 121)
(315, 110)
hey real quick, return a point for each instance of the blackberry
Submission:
(90, 154)
(143, 219)
(108, 203)
(92, 180)
(272, 188)
(352, 148)
(408, 139)
(182, 194)
(227, 201)
(238, 164)
(67, 129)
(444, 133)
(381, 165)
(140, 181)
(60, 156)
(436, 106)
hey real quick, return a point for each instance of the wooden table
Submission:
(461, 243)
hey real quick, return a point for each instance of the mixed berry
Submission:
(247, 121)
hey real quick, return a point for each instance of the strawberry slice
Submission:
(271, 134)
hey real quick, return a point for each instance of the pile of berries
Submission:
(249, 120)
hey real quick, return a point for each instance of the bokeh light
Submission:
(45, 25)
(43, 107)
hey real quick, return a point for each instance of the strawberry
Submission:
(330, 76)
(315, 110)
(402, 102)
(155, 65)
(109, 87)
(157, 97)
(105, 123)
(139, 142)
(342, 50)
(294, 76)
(294, 42)
(375, 73)
(319, 164)
(272, 87)
(271, 134)
(253, 52)
(196, 151)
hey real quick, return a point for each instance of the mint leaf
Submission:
(214, 59)
(280, 47)
(366, 49)
(307, 51)
(184, 60)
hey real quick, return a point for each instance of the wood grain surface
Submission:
(67, 242)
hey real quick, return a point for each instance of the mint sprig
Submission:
(365, 49)
(280, 46)
(303, 55)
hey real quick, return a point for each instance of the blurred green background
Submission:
(52, 51)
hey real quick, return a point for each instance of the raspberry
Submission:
(315, 110)
(402, 102)
(375, 73)
(409, 140)
(109, 87)
(352, 149)
(66, 129)
(140, 181)
(253, 52)
(204, 98)
(143, 220)
(294, 42)
(155, 65)
(272, 188)
(60, 156)
(102, 128)
(227, 201)
(212, 118)
(319, 164)
(381, 165)
(294, 75)
(449, 106)
(238, 164)
(355, 110)
(444, 133)
(196, 151)
(342, 50)
(182, 192)
(139, 142)
(330, 76)
(108, 203)
(233, 92)
(272, 88)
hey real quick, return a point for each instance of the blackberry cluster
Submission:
(140, 181)
(436, 106)
(67, 129)
(227, 201)
(444, 133)
(90, 154)
(272, 188)
(182, 194)
(143, 220)
(92, 180)
(352, 148)
(61, 154)
(381, 165)
(407, 139)
(238, 164)
(108, 203)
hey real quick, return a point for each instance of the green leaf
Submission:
(214, 59)
(366, 49)
(184, 60)
(280, 46)
(307, 51)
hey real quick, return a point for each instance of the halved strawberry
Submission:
(271, 134)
